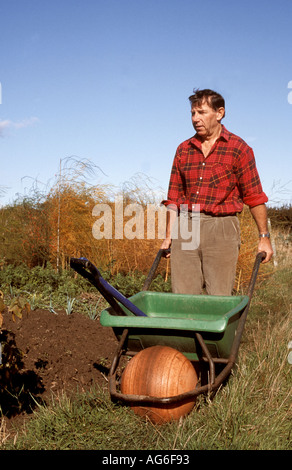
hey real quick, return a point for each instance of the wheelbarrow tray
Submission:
(172, 320)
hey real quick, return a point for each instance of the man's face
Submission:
(205, 119)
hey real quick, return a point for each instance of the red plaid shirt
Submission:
(221, 183)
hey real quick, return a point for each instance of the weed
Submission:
(69, 306)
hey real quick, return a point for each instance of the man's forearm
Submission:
(260, 216)
(170, 218)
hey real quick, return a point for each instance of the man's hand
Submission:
(165, 245)
(170, 218)
(266, 246)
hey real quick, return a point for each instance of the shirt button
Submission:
(201, 177)
(204, 164)
(197, 192)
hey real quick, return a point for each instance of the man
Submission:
(213, 175)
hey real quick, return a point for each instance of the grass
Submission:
(251, 412)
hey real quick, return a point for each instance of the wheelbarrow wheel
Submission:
(160, 371)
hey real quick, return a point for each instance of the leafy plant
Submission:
(93, 311)
(18, 307)
(69, 307)
(51, 308)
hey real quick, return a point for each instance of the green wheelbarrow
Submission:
(206, 329)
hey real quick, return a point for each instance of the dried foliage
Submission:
(53, 226)
(281, 217)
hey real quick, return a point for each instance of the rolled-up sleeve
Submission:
(176, 188)
(249, 181)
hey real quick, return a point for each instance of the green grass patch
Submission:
(252, 411)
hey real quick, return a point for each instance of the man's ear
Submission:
(220, 113)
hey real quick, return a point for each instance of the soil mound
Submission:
(51, 353)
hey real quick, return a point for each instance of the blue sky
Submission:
(109, 80)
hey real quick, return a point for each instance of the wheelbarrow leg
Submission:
(208, 356)
(115, 363)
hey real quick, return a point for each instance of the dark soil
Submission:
(50, 354)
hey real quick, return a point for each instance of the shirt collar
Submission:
(225, 135)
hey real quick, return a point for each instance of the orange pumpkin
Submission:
(160, 371)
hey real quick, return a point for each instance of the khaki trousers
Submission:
(208, 257)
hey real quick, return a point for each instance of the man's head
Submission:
(212, 98)
(208, 108)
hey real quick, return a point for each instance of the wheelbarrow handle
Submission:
(259, 258)
(239, 331)
(84, 267)
(163, 252)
